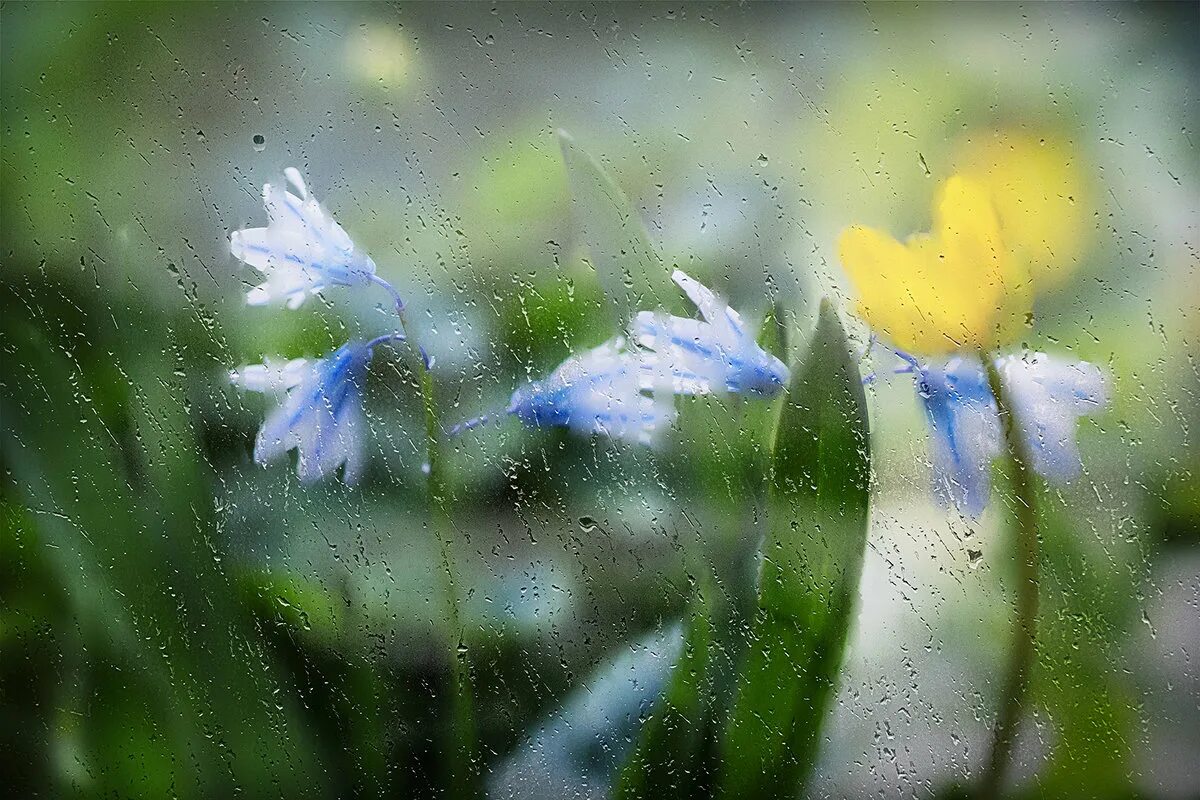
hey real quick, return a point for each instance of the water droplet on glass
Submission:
(587, 524)
(260, 142)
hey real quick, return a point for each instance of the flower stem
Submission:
(463, 758)
(1020, 661)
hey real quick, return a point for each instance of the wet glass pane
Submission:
(620, 400)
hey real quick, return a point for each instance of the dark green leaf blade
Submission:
(812, 559)
(670, 757)
(630, 270)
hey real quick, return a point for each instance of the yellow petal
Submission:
(1040, 199)
(957, 288)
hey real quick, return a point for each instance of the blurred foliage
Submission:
(676, 751)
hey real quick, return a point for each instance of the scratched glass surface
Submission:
(587, 401)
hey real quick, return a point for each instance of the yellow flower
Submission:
(1039, 195)
(381, 55)
(957, 287)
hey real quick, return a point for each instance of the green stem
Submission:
(463, 766)
(1020, 663)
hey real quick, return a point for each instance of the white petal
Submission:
(251, 245)
(323, 447)
(616, 408)
(353, 425)
(258, 296)
(668, 376)
(278, 435)
(272, 375)
(294, 178)
(301, 250)
(701, 360)
(1048, 396)
(716, 312)
(658, 330)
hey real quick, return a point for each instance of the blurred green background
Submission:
(176, 621)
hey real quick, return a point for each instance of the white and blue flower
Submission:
(301, 251)
(1048, 395)
(598, 391)
(717, 354)
(626, 392)
(321, 415)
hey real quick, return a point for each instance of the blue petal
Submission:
(598, 391)
(966, 432)
(321, 417)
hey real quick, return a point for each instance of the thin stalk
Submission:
(462, 774)
(1020, 662)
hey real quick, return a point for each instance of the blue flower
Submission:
(598, 391)
(1048, 395)
(626, 393)
(701, 357)
(321, 416)
(301, 251)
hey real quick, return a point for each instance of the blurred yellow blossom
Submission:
(381, 55)
(957, 287)
(1040, 198)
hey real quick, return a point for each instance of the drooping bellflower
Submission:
(321, 416)
(1048, 396)
(949, 294)
(624, 391)
(301, 251)
(716, 354)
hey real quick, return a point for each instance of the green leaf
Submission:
(811, 561)
(1078, 683)
(629, 268)
(669, 760)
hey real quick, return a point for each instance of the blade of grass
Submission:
(668, 761)
(629, 268)
(811, 562)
